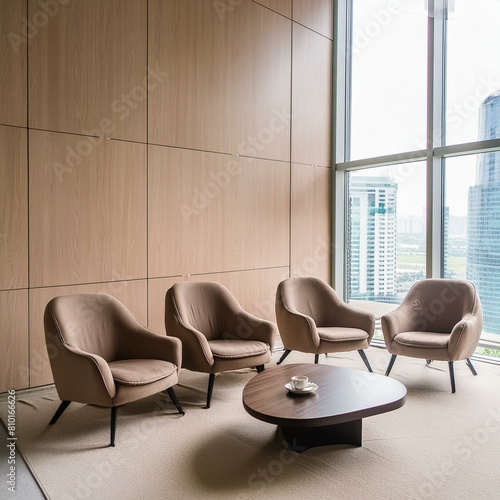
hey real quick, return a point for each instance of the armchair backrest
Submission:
(96, 323)
(437, 305)
(312, 297)
(209, 307)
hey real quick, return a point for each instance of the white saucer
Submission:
(309, 389)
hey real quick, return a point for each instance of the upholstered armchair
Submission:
(101, 355)
(217, 334)
(312, 318)
(439, 319)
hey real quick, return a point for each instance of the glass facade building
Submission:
(371, 235)
(483, 232)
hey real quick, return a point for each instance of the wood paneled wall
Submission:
(149, 142)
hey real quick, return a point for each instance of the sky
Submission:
(389, 85)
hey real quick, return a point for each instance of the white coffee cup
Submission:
(299, 382)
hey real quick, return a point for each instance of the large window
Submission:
(472, 68)
(417, 149)
(388, 81)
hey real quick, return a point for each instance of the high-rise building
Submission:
(483, 231)
(371, 239)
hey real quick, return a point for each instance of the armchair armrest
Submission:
(355, 318)
(465, 337)
(82, 376)
(196, 352)
(146, 344)
(249, 327)
(298, 331)
(402, 319)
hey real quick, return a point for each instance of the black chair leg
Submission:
(365, 359)
(316, 359)
(391, 364)
(59, 411)
(452, 376)
(283, 356)
(260, 368)
(113, 425)
(211, 380)
(468, 362)
(173, 397)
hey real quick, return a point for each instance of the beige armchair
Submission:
(100, 354)
(313, 318)
(439, 319)
(217, 334)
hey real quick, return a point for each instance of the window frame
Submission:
(433, 155)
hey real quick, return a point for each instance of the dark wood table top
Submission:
(343, 395)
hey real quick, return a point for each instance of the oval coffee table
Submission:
(331, 415)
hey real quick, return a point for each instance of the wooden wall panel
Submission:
(211, 212)
(311, 97)
(315, 14)
(254, 289)
(211, 199)
(87, 69)
(284, 7)
(87, 213)
(228, 88)
(13, 54)
(133, 294)
(14, 373)
(311, 221)
(13, 208)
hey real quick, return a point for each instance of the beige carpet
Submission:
(438, 446)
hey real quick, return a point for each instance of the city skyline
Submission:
(378, 235)
(483, 232)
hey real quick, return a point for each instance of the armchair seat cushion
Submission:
(140, 371)
(427, 340)
(234, 349)
(341, 334)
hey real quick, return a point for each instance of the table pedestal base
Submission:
(300, 439)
